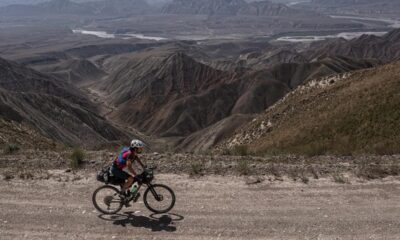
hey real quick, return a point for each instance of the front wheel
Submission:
(159, 198)
(107, 200)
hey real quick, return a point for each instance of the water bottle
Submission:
(134, 188)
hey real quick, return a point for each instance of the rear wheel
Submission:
(107, 199)
(159, 198)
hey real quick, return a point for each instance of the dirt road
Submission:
(207, 208)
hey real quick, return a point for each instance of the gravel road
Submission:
(210, 207)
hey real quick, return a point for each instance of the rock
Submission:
(254, 180)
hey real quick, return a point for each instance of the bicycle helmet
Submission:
(135, 143)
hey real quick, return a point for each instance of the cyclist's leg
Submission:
(120, 174)
(128, 183)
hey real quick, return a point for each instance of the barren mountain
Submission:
(159, 93)
(52, 7)
(385, 48)
(170, 94)
(344, 114)
(76, 71)
(228, 8)
(53, 107)
(60, 7)
(354, 6)
(273, 56)
(120, 7)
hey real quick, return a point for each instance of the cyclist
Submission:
(122, 166)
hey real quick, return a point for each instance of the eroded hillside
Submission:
(344, 114)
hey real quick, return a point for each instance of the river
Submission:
(103, 34)
(392, 23)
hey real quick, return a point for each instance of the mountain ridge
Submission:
(55, 108)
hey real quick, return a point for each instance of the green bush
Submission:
(240, 150)
(196, 169)
(314, 149)
(243, 167)
(226, 152)
(11, 148)
(76, 158)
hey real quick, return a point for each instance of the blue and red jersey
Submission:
(125, 155)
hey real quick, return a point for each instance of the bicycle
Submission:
(108, 200)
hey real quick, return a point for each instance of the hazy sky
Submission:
(7, 2)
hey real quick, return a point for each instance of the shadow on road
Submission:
(155, 222)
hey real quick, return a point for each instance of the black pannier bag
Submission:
(105, 176)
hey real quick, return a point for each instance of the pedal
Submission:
(127, 204)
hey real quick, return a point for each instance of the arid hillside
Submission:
(354, 113)
(54, 108)
(170, 94)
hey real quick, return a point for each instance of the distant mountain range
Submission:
(100, 7)
(228, 8)
(354, 6)
(170, 94)
(121, 7)
(385, 48)
(195, 94)
(181, 91)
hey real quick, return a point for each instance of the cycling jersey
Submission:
(125, 155)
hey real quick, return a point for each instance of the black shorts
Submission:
(119, 173)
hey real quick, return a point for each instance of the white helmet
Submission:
(137, 144)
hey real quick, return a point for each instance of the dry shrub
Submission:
(240, 150)
(26, 175)
(243, 167)
(11, 148)
(315, 173)
(8, 176)
(340, 178)
(196, 169)
(76, 158)
(377, 171)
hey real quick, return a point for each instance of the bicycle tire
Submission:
(96, 205)
(154, 187)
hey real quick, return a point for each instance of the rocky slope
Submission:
(75, 71)
(343, 114)
(169, 94)
(54, 108)
(22, 135)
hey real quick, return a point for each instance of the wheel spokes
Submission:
(108, 200)
(159, 198)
